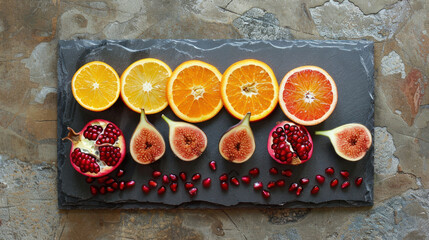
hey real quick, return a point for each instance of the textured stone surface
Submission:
(29, 31)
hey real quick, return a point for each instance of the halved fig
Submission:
(351, 141)
(147, 144)
(238, 144)
(187, 141)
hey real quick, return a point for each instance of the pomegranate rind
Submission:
(341, 136)
(295, 161)
(80, 141)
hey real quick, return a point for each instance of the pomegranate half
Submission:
(289, 143)
(98, 149)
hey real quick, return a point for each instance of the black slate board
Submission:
(350, 63)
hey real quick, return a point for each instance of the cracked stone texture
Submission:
(30, 32)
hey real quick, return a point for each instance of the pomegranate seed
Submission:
(274, 171)
(145, 189)
(189, 185)
(156, 174)
(93, 189)
(304, 181)
(161, 190)
(315, 189)
(293, 187)
(152, 184)
(254, 172)
(298, 191)
(320, 179)
(110, 189)
(245, 179)
(334, 182)
(287, 172)
(173, 177)
(115, 185)
(212, 165)
(120, 173)
(224, 185)
(173, 186)
(165, 179)
(258, 185)
(207, 182)
(90, 179)
(196, 177)
(235, 181)
(271, 184)
(280, 183)
(345, 174)
(329, 171)
(193, 192)
(103, 190)
(358, 181)
(102, 179)
(265, 194)
(130, 184)
(345, 184)
(223, 177)
(121, 186)
(182, 176)
(110, 181)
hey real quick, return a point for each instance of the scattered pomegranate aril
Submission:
(193, 191)
(121, 186)
(271, 184)
(189, 185)
(89, 179)
(102, 179)
(358, 181)
(161, 190)
(274, 171)
(196, 177)
(280, 183)
(223, 177)
(182, 176)
(152, 184)
(345, 174)
(320, 179)
(299, 190)
(115, 185)
(224, 185)
(254, 172)
(173, 186)
(287, 173)
(120, 173)
(165, 179)
(110, 189)
(156, 174)
(345, 184)
(315, 190)
(234, 181)
(245, 179)
(258, 185)
(207, 182)
(293, 187)
(266, 194)
(145, 189)
(334, 182)
(102, 190)
(329, 171)
(93, 190)
(304, 181)
(110, 181)
(212, 165)
(130, 184)
(173, 177)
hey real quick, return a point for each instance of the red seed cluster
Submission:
(110, 135)
(85, 162)
(299, 144)
(110, 155)
(92, 132)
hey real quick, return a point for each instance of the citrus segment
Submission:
(193, 91)
(249, 86)
(96, 86)
(144, 85)
(308, 95)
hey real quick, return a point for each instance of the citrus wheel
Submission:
(308, 95)
(96, 86)
(143, 85)
(193, 91)
(249, 86)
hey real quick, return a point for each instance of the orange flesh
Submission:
(196, 91)
(353, 142)
(308, 95)
(250, 88)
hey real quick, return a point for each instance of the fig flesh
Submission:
(237, 145)
(147, 144)
(351, 141)
(187, 141)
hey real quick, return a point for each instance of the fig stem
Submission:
(327, 133)
(246, 119)
(143, 116)
(169, 121)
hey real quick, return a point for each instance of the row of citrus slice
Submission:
(196, 91)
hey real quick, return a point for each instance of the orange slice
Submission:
(96, 86)
(143, 85)
(193, 91)
(308, 95)
(249, 86)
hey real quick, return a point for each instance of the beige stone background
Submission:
(29, 34)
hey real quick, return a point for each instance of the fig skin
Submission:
(230, 144)
(351, 141)
(147, 144)
(188, 136)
